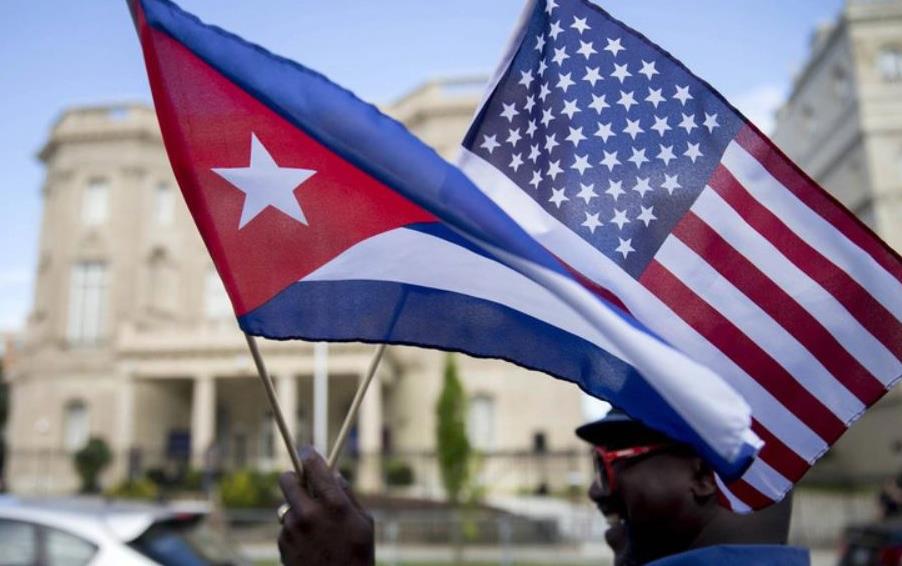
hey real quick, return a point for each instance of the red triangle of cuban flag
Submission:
(271, 202)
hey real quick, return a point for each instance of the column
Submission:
(321, 397)
(127, 454)
(203, 419)
(369, 425)
(287, 393)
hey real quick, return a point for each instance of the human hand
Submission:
(325, 525)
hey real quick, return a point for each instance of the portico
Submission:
(209, 409)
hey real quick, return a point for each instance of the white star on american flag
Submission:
(619, 219)
(610, 160)
(586, 192)
(647, 215)
(592, 222)
(586, 49)
(614, 46)
(625, 247)
(615, 189)
(621, 72)
(592, 75)
(580, 24)
(576, 136)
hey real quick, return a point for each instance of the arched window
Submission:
(481, 422)
(76, 427)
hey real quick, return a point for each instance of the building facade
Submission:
(131, 338)
(842, 124)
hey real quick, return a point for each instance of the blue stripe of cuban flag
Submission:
(476, 282)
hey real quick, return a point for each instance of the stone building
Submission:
(131, 338)
(842, 124)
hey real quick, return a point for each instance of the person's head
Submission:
(661, 498)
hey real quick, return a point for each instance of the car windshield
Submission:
(187, 542)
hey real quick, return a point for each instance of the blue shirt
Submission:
(738, 555)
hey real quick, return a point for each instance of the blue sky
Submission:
(57, 53)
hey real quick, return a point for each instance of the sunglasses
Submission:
(604, 463)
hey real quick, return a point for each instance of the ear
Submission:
(703, 484)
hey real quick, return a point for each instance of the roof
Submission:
(97, 518)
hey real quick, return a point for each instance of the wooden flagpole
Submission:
(355, 407)
(280, 419)
(274, 403)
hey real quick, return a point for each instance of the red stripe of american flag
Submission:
(779, 456)
(745, 353)
(776, 302)
(795, 180)
(861, 305)
(749, 495)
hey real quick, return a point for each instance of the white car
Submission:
(94, 532)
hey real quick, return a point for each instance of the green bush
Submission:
(193, 480)
(398, 473)
(90, 462)
(246, 489)
(142, 488)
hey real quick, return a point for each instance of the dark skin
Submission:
(668, 503)
(326, 524)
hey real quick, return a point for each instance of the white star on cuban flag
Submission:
(264, 184)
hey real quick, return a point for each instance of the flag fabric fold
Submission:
(328, 221)
(661, 197)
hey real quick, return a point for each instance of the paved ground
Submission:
(571, 555)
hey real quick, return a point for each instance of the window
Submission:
(76, 427)
(19, 543)
(64, 549)
(889, 62)
(267, 437)
(809, 123)
(481, 422)
(94, 205)
(216, 301)
(164, 204)
(87, 295)
(162, 283)
(842, 86)
(539, 442)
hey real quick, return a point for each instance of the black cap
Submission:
(619, 430)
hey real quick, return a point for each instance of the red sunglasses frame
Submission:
(607, 458)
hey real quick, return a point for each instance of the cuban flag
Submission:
(329, 221)
(660, 195)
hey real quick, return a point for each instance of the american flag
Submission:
(664, 199)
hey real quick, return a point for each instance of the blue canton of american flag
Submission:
(663, 199)
(603, 131)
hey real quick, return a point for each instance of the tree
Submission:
(454, 450)
(90, 462)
